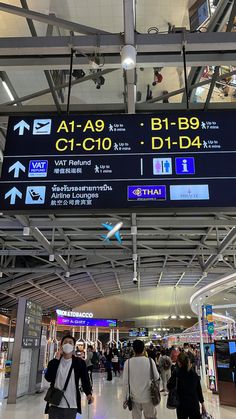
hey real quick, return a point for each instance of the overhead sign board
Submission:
(78, 321)
(162, 160)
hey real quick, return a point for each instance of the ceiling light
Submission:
(182, 317)
(128, 57)
(159, 328)
(1, 274)
(173, 317)
(188, 317)
(8, 90)
(67, 274)
(166, 317)
(51, 258)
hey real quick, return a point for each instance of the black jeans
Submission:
(109, 371)
(188, 413)
(61, 413)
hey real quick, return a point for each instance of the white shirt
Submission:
(61, 377)
(140, 381)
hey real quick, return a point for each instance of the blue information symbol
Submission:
(185, 165)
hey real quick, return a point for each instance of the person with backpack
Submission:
(165, 364)
(64, 373)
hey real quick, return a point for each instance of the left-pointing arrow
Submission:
(13, 193)
(17, 166)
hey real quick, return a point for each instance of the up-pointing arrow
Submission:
(13, 193)
(21, 126)
(17, 166)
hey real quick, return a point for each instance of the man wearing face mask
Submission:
(65, 367)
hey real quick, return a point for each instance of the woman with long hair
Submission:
(188, 388)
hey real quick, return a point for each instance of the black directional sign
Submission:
(162, 160)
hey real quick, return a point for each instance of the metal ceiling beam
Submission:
(98, 108)
(174, 221)
(215, 25)
(230, 238)
(46, 72)
(116, 253)
(112, 61)
(38, 235)
(50, 20)
(191, 88)
(102, 270)
(61, 86)
(66, 281)
(129, 39)
(111, 44)
(217, 68)
(5, 78)
(39, 287)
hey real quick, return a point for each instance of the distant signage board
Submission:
(138, 332)
(81, 162)
(32, 325)
(78, 321)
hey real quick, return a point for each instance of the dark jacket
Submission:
(80, 370)
(188, 388)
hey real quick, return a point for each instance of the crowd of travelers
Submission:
(171, 372)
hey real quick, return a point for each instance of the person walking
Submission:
(137, 378)
(108, 355)
(165, 365)
(66, 367)
(188, 388)
(89, 363)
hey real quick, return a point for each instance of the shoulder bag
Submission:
(154, 388)
(173, 397)
(129, 401)
(54, 395)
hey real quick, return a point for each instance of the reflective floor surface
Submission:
(107, 405)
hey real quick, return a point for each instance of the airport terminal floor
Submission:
(107, 404)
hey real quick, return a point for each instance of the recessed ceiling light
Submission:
(173, 317)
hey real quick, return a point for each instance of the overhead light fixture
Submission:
(67, 274)
(51, 258)
(188, 317)
(173, 316)
(26, 231)
(182, 317)
(1, 274)
(8, 90)
(166, 317)
(128, 57)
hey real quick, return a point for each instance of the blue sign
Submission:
(76, 321)
(38, 168)
(35, 195)
(185, 165)
(146, 192)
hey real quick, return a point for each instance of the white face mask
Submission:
(67, 348)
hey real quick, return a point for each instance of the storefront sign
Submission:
(74, 314)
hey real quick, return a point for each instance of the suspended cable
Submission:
(185, 76)
(70, 80)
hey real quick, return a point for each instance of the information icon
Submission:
(185, 165)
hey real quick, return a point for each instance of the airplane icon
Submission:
(42, 126)
(112, 231)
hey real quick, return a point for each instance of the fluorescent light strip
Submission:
(7, 90)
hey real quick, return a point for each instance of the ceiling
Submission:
(176, 251)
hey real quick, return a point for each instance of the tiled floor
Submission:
(107, 405)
